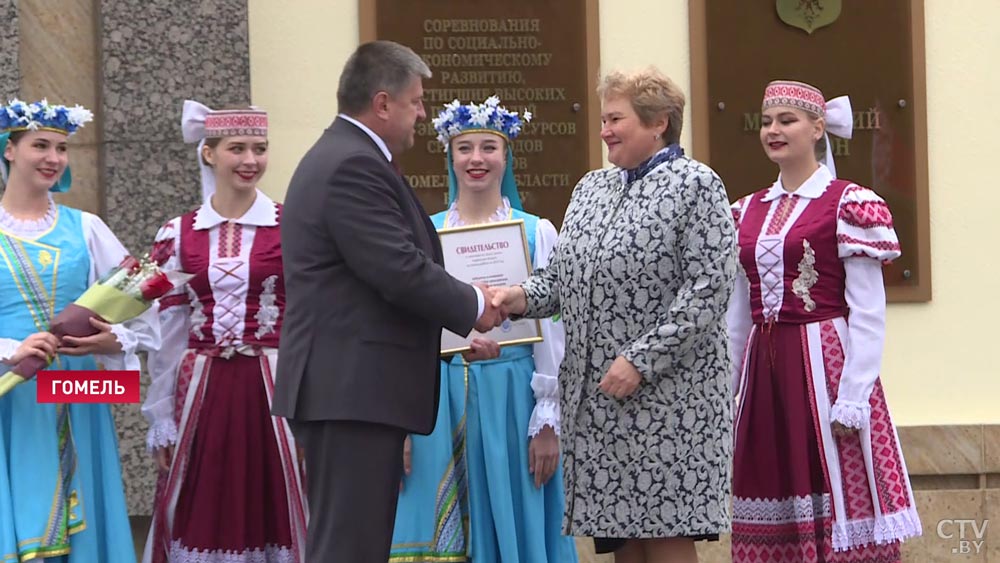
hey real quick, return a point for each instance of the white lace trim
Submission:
(889, 528)
(269, 554)
(545, 413)
(161, 433)
(198, 318)
(267, 314)
(851, 414)
(28, 228)
(781, 511)
(452, 219)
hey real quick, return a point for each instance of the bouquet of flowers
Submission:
(122, 294)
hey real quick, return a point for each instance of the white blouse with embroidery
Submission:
(864, 293)
(230, 280)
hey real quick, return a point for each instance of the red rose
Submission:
(155, 287)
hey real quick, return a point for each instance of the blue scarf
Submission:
(666, 154)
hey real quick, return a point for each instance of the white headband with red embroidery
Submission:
(837, 112)
(200, 122)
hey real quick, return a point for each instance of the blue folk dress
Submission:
(469, 496)
(61, 495)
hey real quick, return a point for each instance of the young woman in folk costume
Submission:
(818, 472)
(61, 496)
(230, 486)
(486, 485)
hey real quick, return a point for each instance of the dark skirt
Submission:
(233, 497)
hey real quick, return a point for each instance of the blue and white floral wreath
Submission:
(42, 116)
(487, 117)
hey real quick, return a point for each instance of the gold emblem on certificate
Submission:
(495, 254)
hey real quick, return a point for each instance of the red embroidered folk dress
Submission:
(234, 492)
(807, 325)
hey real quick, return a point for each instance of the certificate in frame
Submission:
(495, 254)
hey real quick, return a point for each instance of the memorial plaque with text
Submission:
(533, 54)
(869, 51)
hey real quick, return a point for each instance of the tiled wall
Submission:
(9, 68)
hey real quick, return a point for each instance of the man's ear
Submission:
(380, 104)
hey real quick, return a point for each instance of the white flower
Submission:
(492, 101)
(527, 116)
(481, 116)
(78, 115)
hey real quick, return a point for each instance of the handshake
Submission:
(500, 303)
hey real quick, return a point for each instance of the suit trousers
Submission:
(353, 472)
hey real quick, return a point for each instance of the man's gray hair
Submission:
(376, 67)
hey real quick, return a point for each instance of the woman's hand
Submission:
(621, 380)
(841, 430)
(543, 455)
(104, 342)
(510, 300)
(163, 457)
(40, 344)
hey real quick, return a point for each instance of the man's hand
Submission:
(543, 455)
(492, 316)
(40, 344)
(104, 342)
(510, 300)
(482, 349)
(621, 380)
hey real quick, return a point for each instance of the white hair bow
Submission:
(839, 122)
(193, 129)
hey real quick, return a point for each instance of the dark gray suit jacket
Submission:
(366, 295)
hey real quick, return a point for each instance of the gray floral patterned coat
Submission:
(644, 271)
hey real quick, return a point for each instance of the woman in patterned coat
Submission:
(818, 472)
(642, 274)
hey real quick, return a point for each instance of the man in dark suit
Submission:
(366, 300)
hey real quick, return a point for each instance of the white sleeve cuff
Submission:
(126, 359)
(162, 433)
(480, 302)
(851, 414)
(546, 411)
(7, 347)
